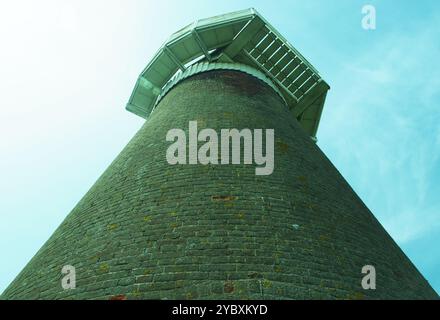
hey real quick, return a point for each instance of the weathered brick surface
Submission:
(147, 229)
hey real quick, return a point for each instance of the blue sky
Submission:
(67, 69)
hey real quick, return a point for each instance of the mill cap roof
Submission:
(243, 37)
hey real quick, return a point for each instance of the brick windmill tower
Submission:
(150, 229)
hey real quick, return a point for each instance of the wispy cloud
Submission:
(386, 102)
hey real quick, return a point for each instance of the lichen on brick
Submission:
(112, 226)
(104, 268)
(147, 272)
(174, 225)
(223, 198)
(302, 179)
(356, 296)
(266, 283)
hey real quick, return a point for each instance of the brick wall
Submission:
(147, 229)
